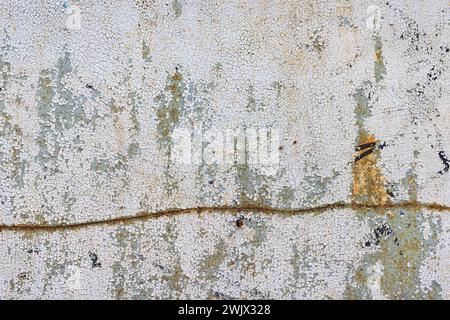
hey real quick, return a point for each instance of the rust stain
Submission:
(142, 216)
(368, 181)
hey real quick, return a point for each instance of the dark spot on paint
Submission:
(445, 161)
(89, 86)
(384, 231)
(280, 148)
(419, 90)
(94, 258)
(365, 146)
(210, 181)
(240, 223)
(364, 154)
(369, 148)
(433, 74)
(24, 275)
(295, 142)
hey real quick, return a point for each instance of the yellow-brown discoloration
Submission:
(368, 181)
(378, 56)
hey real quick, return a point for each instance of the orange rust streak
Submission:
(225, 209)
(368, 181)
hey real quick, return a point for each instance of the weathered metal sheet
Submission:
(224, 149)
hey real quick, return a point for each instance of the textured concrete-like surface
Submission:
(224, 149)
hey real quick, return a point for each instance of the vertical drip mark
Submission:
(379, 67)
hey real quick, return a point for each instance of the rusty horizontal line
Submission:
(223, 209)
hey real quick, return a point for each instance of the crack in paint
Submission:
(224, 209)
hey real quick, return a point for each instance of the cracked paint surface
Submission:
(327, 122)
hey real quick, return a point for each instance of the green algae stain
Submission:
(45, 95)
(401, 253)
(146, 52)
(316, 186)
(68, 110)
(251, 100)
(173, 276)
(211, 263)
(358, 289)
(171, 107)
(409, 182)
(133, 149)
(278, 87)
(362, 110)
(402, 259)
(260, 231)
(379, 67)
(109, 166)
(401, 249)
(58, 110)
(317, 41)
(177, 7)
(5, 70)
(286, 195)
(295, 263)
(206, 176)
(397, 243)
(217, 68)
(126, 269)
(135, 103)
(253, 186)
(119, 162)
(12, 159)
(251, 177)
